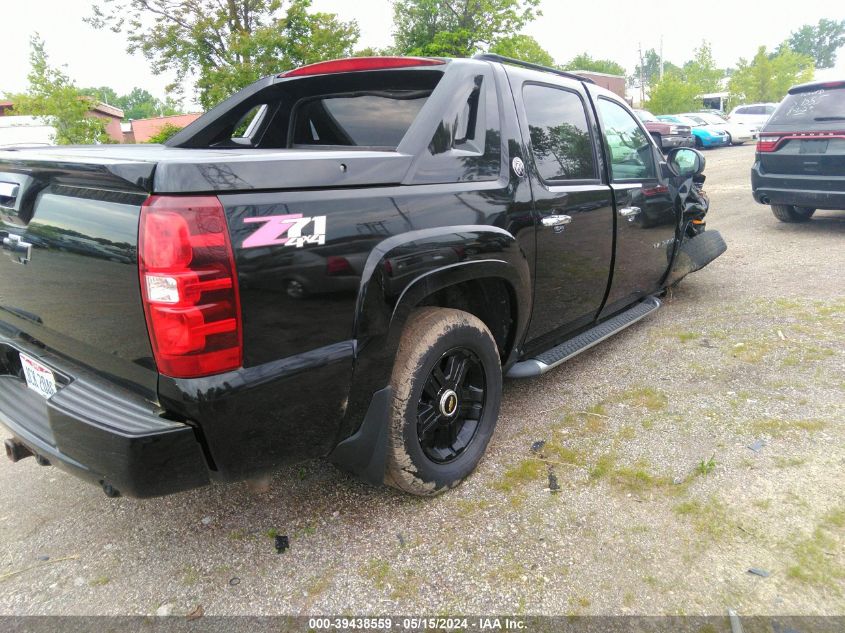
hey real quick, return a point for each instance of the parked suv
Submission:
(447, 223)
(800, 164)
(666, 135)
(753, 114)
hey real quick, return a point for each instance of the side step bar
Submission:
(542, 363)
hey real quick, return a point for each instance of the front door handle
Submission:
(556, 220)
(629, 212)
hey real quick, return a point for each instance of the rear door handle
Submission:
(629, 212)
(556, 220)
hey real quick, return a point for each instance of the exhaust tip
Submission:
(16, 451)
(764, 199)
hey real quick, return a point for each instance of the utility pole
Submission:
(642, 75)
(661, 58)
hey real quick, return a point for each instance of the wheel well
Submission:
(490, 299)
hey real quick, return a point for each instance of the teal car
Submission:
(705, 135)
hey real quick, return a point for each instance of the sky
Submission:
(610, 29)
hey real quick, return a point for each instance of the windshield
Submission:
(699, 120)
(713, 119)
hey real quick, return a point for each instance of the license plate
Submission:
(813, 147)
(38, 377)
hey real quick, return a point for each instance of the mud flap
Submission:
(364, 454)
(695, 253)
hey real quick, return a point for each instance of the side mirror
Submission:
(685, 161)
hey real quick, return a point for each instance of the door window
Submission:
(629, 148)
(559, 133)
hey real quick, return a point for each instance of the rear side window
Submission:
(560, 134)
(819, 106)
(367, 119)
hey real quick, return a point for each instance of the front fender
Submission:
(405, 269)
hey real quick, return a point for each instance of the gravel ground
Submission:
(662, 507)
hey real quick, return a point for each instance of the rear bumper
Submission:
(97, 430)
(815, 192)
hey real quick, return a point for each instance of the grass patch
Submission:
(751, 351)
(469, 507)
(789, 462)
(377, 572)
(645, 397)
(709, 518)
(815, 556)
(526, 471)
(778, 428)
(190, 576)
(686, 337)
(603, 466)
(99, 581)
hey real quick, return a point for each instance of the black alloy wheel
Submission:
(451, 405)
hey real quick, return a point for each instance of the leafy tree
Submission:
(820, 42)
(767, 78)
(569, 146)
(671, 95)
(138, 104)
(227, 45)
(103, 94)
(457, 28)
(523, 47)
(651, 69)
(164, 133)
(702, 72)
(585, 62)
(52, 95)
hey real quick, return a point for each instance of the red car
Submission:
(666, 135)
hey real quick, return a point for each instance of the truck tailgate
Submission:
(68, 269)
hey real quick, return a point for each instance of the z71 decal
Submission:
(287, 230)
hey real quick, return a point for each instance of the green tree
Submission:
(820, 42)
(585, 62)
(103, 94)
(651, 69)
(52, 95)
(457, 28)
(227, 45)
(671, 95)
(702, 72)
(523, 47)
(768, 77)
(164, 133)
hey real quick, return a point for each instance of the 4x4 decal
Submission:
(287, 230)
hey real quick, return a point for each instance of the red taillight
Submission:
(189, 287)
(353, 64)
(768, 143)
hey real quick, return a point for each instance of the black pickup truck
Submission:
(340, 261)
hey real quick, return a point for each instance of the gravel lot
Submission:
(663, 508)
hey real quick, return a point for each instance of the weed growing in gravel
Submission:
(645, 397)
(753, 351)
(637, 478)
(686, 337)
(376, 571)
(778, 428)
(603, 466)
(527, 470)
(789, 462)
(815, 561)
(705, 467)
(190, 576)
(99, 581)
(709, 518)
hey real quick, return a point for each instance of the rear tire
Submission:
(698, 143)
(791, 213)
(436, 441)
